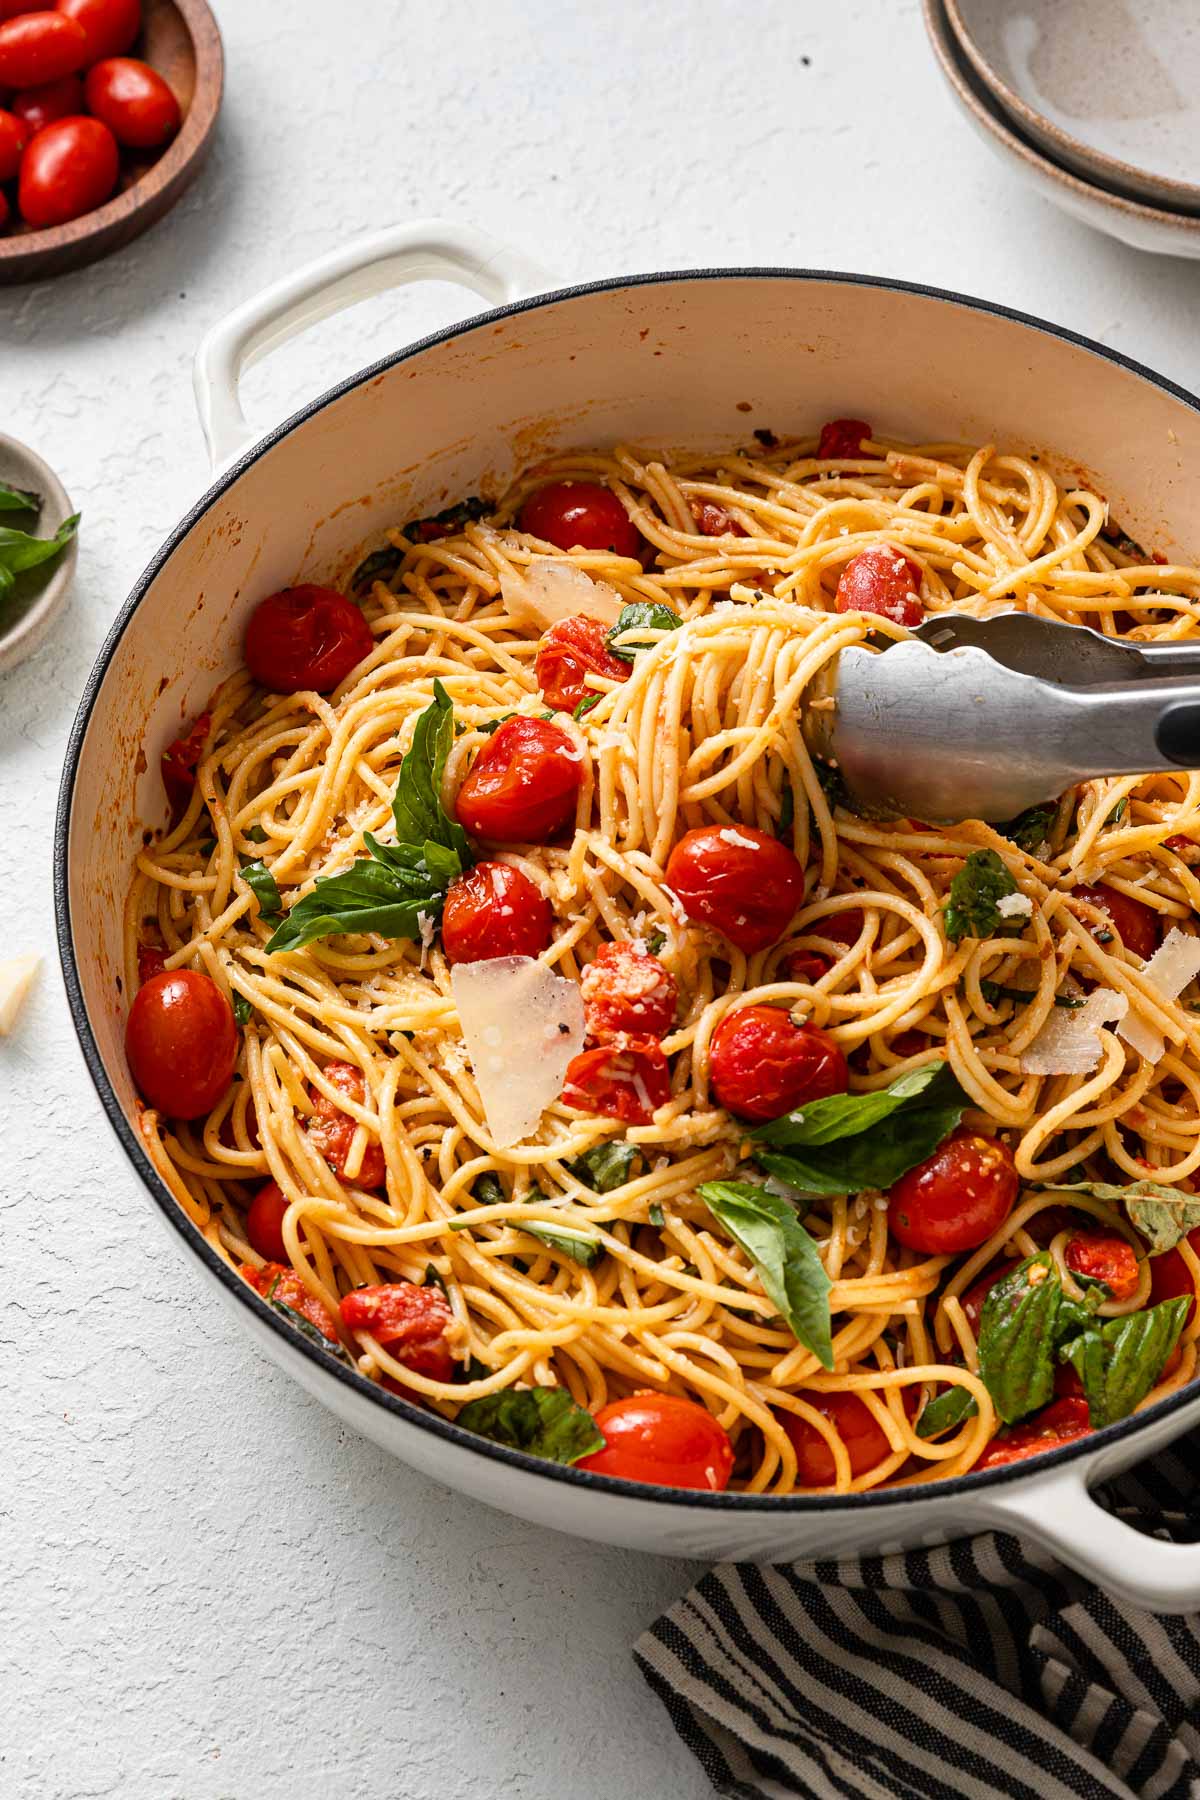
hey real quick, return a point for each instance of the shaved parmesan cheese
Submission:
(550, 590)
(17, 976)
(521, 1026)
(1173, 965)
(1069, 1041)
(1014, 906)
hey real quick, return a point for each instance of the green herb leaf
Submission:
(605, 1166)
(256, 834)
(19, 551)
(487, 1190)
(787, 813)
(417, 806)
(656, 1215)
(308, 1330)
(492, 725)
(971, 910)
(1030, 829)
(995, 991)
(243, 1012)
(656, 942)
(19, 499)
(784, 1254)
(542, 1421)
(450, 519)
(831, 785)
(381, 565)
(647, 614)
(262, 884)
(1019, 1332)
(1162, 1215)
(1119, 810)
(586, 705)
(1119, 1361)
(580, 1246)
(433, 1279)
(945, 1410)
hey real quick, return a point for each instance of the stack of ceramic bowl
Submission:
(1095, 102)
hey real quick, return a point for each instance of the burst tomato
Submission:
(332, 1131)
(713, 521)
(627, 1080)
(522, 787)
(580, 515)
(842, 440)
(956, 1198)
(179, 762)
(865, 1440)
(275, 1281)
(109, 26)
(14, 135)
(40, 106)
(1061, 1422)
(762, 1065)
(409, 1321)
(742, 882)
(133, 100)
(181, 1040)
(1170, 1277)
(571, 650)
(807, 966)
(151, 961)
(264, 1223)
(1136, 924)
(495, 910)
(626, 990)
(662, 1438)
(38, 47)
(305, 637)
(1105, 1257)
(972, 1300)
(882, 580)
(68, 169)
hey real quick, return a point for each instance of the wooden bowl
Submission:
(181, 40)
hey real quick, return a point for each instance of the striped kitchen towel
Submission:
(975, 1670)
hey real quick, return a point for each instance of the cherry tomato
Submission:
(4, 209)
(1136, 924)
(972, 1300)
(275, 1281)
(409, 1321)
(179, 762)
(9, 9)
(264, 1222)
(1106, 1258)
(664, 1439)
(882, 580)
(40, 106)
(110, 26)
(332, 1131)
(842, 440)
(570, 650)
(1061, 1422)
(151, 961)
(521, 788)
(627, 1080)
(807, 966)
(305, 637)
(495, 910)
(955, 1198)
(181, 1040)
(742, 882)
(842, 927)
(865, 1440)
(14, 135)
(625, 989)
(1180, 844)
(580, 515)
(762, 1065)
(713, 521)
(1170, 1277)
(37, 47)
(69, 168)
(133, 100)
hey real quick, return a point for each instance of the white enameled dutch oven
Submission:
(694, 359)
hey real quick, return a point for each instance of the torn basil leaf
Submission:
(381, 565)
(243, 1012)
(972, 908)
(946, 1410)
(19, 499)
(1120, 1360)
(309, 1331)
(647, 614)
(542, 1421)
(580, 1246)
(262, 884)
(1162, 1215)
(1019, 1333)
(586, 704)
(1030, 829)
(656, 1215)
(784, 1254)
(605, 1166)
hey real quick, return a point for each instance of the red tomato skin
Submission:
(1105, 1258)
(409, 1321)
(151, 961)
(807, 966)
(179, 761)
(662, 1438)
(4, 209)
(14, 135)
(713, 521)
(264, 1223)
(626, 990)
(866, 1442)
(842, 440)
(1136, 925)
(956, 1198)
(10, 9)
(605, 1081)
(69, 168)
(522, 787)
(181, 1040)
(305, 637)
(133, 100)
(750, 895)
(1064, 1420)
(495, 910)
(110, 26)
(332, 1131)
(279, 1282)
(580, 515)
(762, 1065)
(571, 649)
(1170, 1277)
(882, 580)
(973, 1298)
(39, 47)
(40, 106)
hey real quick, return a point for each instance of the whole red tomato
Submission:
(133, 100)
(664, 1439)
(1135, 923)
(627, 1079)
(865, 1439)
(14, 135)
(9, 9)
(264, 1222)
(580, 514)
(110, 26)
(181, 1040)
(69, 169)
(522, 787)
(843, 438)
(494, 910)
(882, 580)
(762, 1065)
(305, 637)
(955, 1198)
(37, 47)
(41, 106)
(1170, 1277)
(742, 882)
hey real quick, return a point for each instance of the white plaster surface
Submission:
(208, 1589)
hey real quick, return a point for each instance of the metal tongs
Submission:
(979, 718)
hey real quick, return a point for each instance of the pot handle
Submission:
(1058, 1512)
(428, 250)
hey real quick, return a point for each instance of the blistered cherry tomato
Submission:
(664, 1439)
(713, 521)
(37, 47)
(133, 100)
(410, 1322)
(625, 989)
(882, 580)
(9, 9)
(40, 106)
(1136, 924)
(1105, 1257)
(182, 1042)
(14, 135)
(570, 650)
(264, 1222)
(305, 637)
(109, 26)
(69, 168)
(842, 440)
(865, 1439)
(151, 961)
(762, 1065)
(807, 966)
(179, 762)
(955, 1198)
(627, 1080)
(495, 910)
(521, 788)
(742, 882)
(972, 1300)
(1170, 1277)
(1060, 1423)
(332, 1131)
(580, 515)
(275, 1281)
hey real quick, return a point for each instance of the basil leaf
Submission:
(585, 705)
(19, 551)
(542, 1421)
(648, 614)
(256, 834)
(784, 1254)
(606, 1166)
(487, 1190)
(492, 725)
(656, 942)
(787, 813)
(417, 805)
(243, 1012)
(1018, 1335)
(831, 784)
(19, 499)
(433, 1279)
(580, 1246)
(308, 1330)
(451, 518)
(1162, 1215)
(1119, 1361)
(848, 1142)
(971, 910)
(381, 565)
(369, 896)
(995, 991)
(262, 884)
(1119, 810)
(1030, 829)
(656, 1215)
(945, 1410)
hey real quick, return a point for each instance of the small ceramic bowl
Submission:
(39, 595)
(1143, 227)
(1128, 119)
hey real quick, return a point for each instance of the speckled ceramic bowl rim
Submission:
(21, 639)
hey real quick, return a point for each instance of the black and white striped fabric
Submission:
(979, 1669)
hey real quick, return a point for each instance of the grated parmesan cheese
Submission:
(1174, 964)
(521, 1026)
(17, 976)
(676, 904)
(1069, 1042)
(550, 590)
(1014, 906)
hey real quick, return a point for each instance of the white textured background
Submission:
(208, 1589)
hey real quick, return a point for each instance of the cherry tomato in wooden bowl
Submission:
(956, 1198)
(14, 135)
(264, 1222)
(626, 990)
(68, 169)
(134, 102)
(882, 580)
(762, 1065)
(865, 1439)
(495, 910)
(41, 106)
(580, 515)
(627, 1079)
(181, 1040)
(664, 1439)
(305, 637)
(522, 787)
(572, 649)
(110, 26)
(742, 882)
(1136, 924)
(38, 47)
